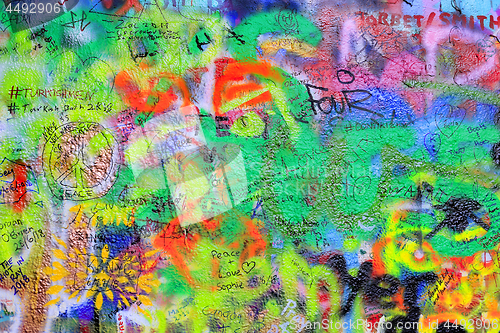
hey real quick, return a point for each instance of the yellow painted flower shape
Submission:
(127, 277)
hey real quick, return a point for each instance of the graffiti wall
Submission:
(244, 166)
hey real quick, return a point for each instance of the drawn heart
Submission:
(432, 142)
(448, 119)
(247, 267)
(90, 75)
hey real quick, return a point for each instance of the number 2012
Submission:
(33, 8)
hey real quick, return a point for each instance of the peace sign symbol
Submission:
(80, 161)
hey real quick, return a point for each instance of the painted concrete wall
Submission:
(250, 166)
